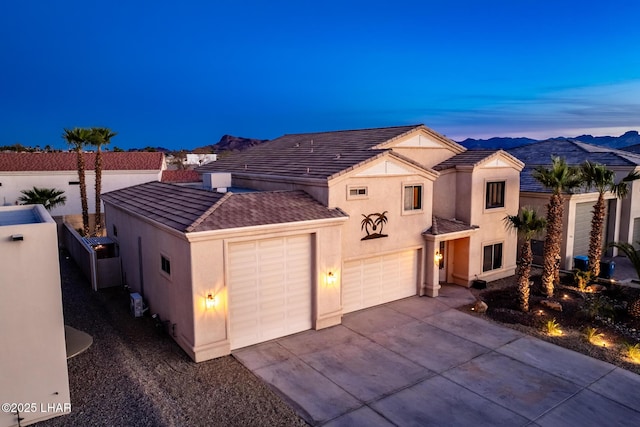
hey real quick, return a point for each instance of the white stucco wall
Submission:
(33, 365)
(14, 182)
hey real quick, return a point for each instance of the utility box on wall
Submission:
(136, 305)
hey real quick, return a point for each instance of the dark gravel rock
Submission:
(134, 374)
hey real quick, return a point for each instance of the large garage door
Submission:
(373, 281)
(269, 289)
(584, 213)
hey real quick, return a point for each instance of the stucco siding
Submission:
(14, 182)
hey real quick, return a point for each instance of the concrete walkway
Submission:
(419, 361)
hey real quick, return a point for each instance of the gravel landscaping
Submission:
(134, 374)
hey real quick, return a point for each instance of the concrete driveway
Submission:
(419, 361)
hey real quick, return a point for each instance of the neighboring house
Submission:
(194, 159)
(23, 171)
(623, 216)
(397, 211)
(33, 359)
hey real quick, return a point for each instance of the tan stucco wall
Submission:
(33, 365)
(630, 210)
(198, 267)
(210, 257)
(169, 296)
(385, 193)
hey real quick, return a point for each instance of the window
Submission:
(74, 182)
(412, 197)
(492, 257)
(165, 264)
(495, 195)
(115, 231)
(357, 192)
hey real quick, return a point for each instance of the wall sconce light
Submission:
(211, 301)
(331, 278)
(438, 257)
(17, 237)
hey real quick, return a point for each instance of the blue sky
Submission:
(182, 74)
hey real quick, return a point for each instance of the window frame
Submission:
(503, 193)
(165, 265)
(493, 266)
(357, 188)
(412, 186)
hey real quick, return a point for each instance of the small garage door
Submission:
(582, 231)
(373, 281)
(269, 289)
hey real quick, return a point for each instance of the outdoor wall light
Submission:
(211, 301)
(331, 278)
(438, 257)
(17, 237)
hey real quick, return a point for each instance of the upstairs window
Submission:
(165, 264)
(360, 192)
(412, 197)
(495, 194)
(492, 257)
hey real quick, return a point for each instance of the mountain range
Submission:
(627, 139)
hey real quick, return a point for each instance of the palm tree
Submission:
(99, 137)
(48, 197)
(602, 179)
(77, 138)
(527, 224)
(560, 178)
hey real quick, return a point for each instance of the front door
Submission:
(442, 267)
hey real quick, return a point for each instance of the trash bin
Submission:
(581, 262)
(606, 269)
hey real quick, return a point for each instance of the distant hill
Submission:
(629, 138)
(230, 143)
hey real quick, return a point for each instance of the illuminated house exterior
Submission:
(336, 222)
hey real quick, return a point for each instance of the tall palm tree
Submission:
(99, 137)
(527, 224)
(48, 197)
(77, 138)
(603, 180)
(560, 178)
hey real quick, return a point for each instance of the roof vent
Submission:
(338, 156)
(217, 181)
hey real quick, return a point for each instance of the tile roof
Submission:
(66, 161)
(310, 155)
(180, 175)
(192, 210)
(441, 226)
(574, 153)
(468, 158)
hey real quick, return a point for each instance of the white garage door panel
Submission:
(269, 289)
(377, 280)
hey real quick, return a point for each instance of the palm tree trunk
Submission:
(98, 171)
(83, 193)
(552, 241)
(595, 239)
(524, 272)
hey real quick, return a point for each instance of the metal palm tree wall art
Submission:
(372, 224)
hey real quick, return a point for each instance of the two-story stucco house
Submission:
(334, 222)
(623, 216)
(59, 170)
